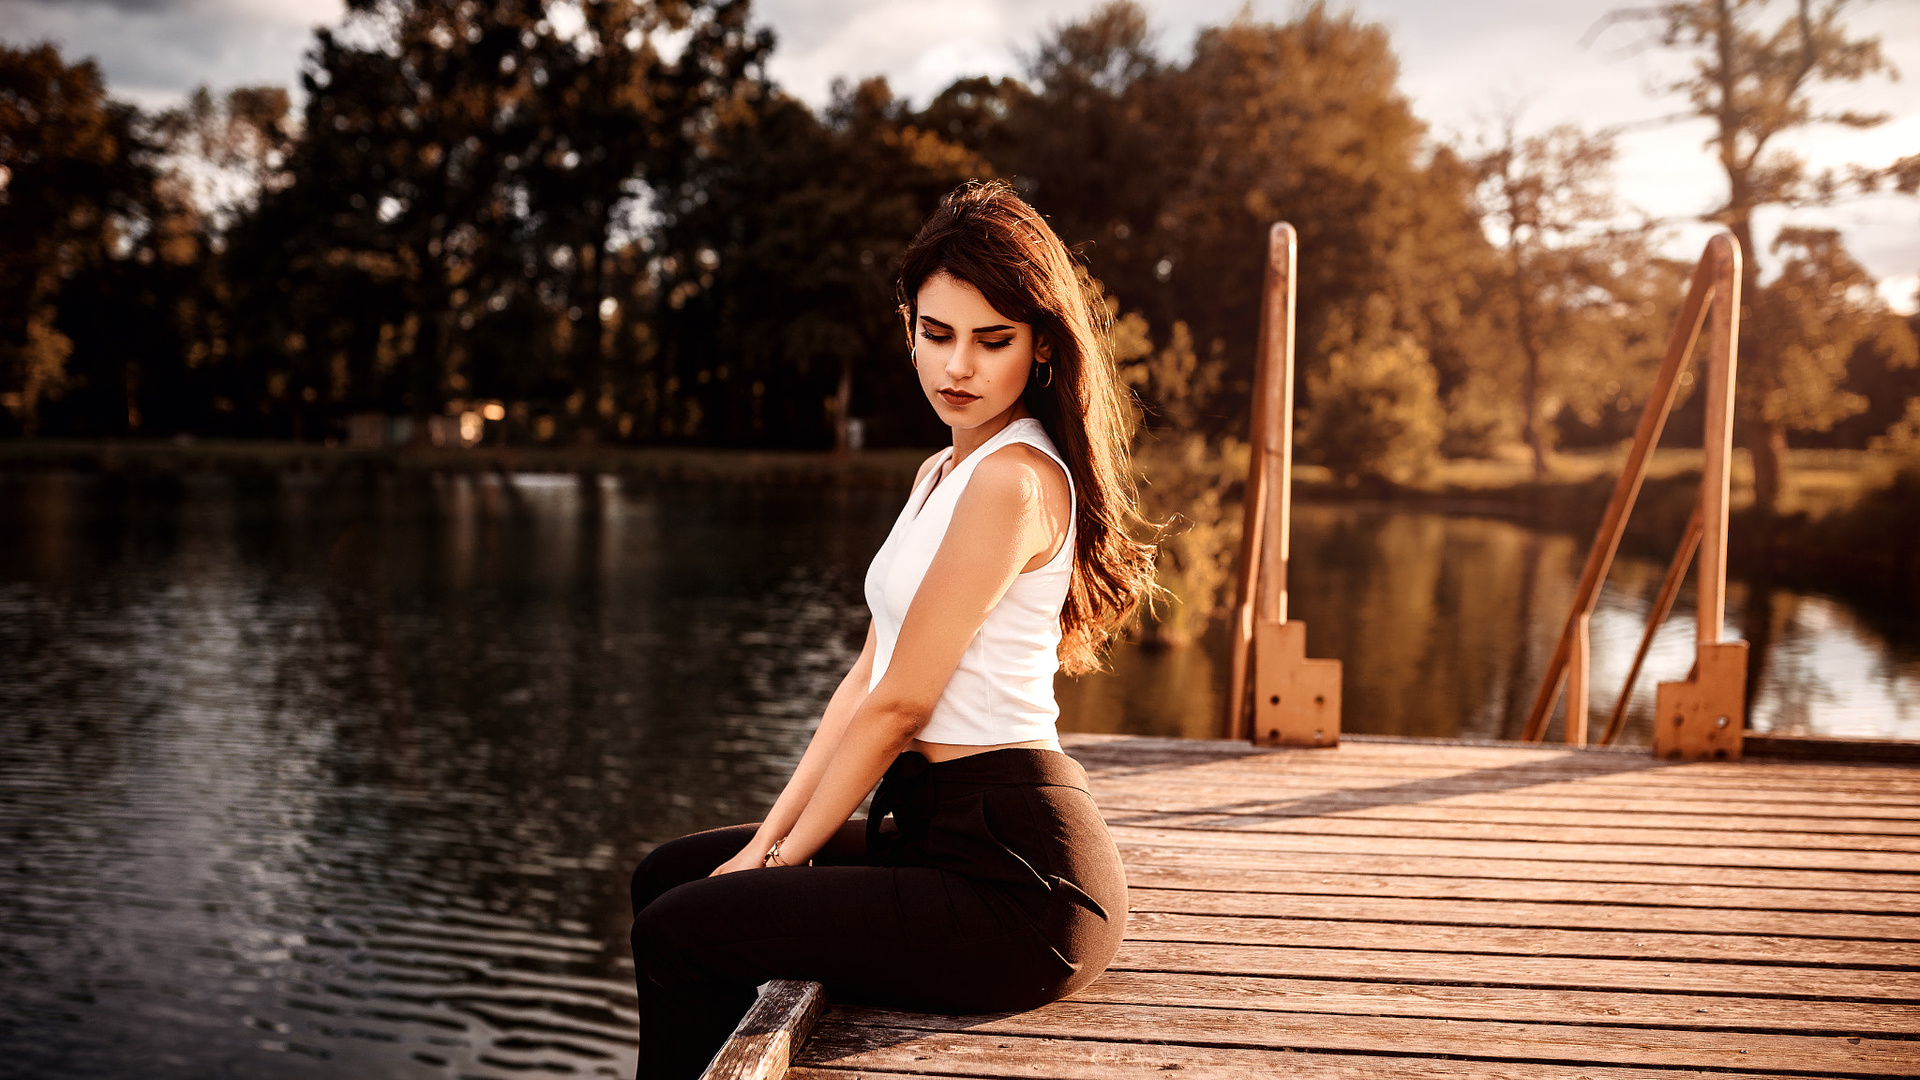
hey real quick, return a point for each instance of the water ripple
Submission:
(341, 780)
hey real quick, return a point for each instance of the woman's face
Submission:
(973, 361)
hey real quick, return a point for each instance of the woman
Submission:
(983, 878)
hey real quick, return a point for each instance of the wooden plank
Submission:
(850, 1051)
(1622, 785)
(1526, 809)
(1372, 827)
(1528, 1005)
(1907, 865)
(1364, 888)
(846, 1051)
(1147, 751)
(1198, 854)
(1526, 941)
(1131, 751)
(1870, 1056)
(1566, 916)
(768, 1038)
(1408, 790)
(1667, 976)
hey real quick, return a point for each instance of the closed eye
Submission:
(933, 337)
(997, 345)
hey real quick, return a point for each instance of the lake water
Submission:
(339, 777)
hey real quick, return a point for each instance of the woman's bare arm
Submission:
(806, 775)
(1000, 523)
(820, 749)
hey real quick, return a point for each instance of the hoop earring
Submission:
(1045, 378)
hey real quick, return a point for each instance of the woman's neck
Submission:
(967, 440)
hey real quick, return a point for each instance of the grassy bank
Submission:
(1847, 520)
(1819, 482)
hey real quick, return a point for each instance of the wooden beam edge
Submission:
(1829, 748)
(768, 1039)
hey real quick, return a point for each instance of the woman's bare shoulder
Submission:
(1026, 473)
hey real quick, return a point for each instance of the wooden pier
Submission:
(1393, 907)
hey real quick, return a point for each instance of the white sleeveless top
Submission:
(1002, 691)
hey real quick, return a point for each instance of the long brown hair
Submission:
(987, 236)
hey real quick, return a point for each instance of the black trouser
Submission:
(1000, 890)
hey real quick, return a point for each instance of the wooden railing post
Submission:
(1698, 712)
(1704, 715)
(1296, 701)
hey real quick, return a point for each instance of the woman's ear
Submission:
(1042, 350)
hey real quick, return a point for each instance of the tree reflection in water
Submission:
(1444, 625)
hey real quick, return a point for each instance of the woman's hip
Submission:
(1018, 821)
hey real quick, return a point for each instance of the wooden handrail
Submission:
(1715, 290)
(1264, 543)
(1662, 606)
(1279, 696)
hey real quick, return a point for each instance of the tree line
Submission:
(604, 218)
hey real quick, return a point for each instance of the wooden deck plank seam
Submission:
(1391, 1053)
(1568, 927)
(1530, 851)
(1399, 979)
(1623, 1026)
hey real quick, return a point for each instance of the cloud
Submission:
(154, 52)
(135, 6)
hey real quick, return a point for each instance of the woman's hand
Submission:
(750, 858)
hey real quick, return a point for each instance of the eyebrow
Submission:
(977, 329)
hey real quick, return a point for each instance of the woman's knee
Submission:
(676, 936)
(687, 858)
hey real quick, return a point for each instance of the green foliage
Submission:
(1186, 478)
(1376, 406)
(1807, 326)
(1903, 435)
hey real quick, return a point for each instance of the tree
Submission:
(1087, 143)
(1753, 85)
(399, 195)
(616, 113)
(71, 176)
(465, 211)
(1170, 176)
(1304, 122)
(778, 252)
(1808, 324)
(1562, 271)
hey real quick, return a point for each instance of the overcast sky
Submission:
(1459, 60)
